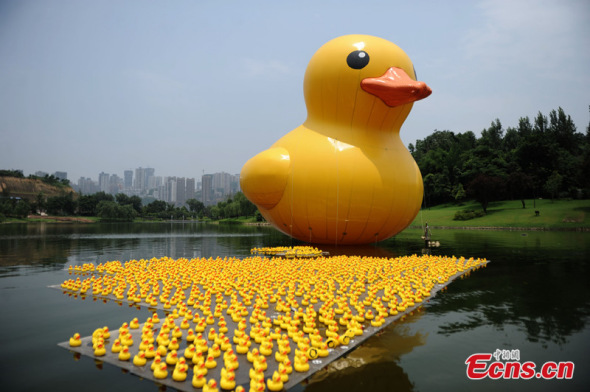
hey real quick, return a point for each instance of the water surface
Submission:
(534, 296)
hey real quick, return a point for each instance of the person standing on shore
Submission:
(426, 235)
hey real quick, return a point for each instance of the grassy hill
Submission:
(28, 189)
(556, 215)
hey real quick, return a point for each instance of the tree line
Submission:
(122, 207)
(543, 158)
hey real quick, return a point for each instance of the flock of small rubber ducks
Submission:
(320, 303)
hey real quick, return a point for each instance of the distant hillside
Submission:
(28, 189)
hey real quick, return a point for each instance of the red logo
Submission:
(507, 365)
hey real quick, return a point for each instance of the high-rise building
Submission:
(142, 176)
(180, 191)
(115, 184)
(61, 175)
(207, 189)
(128, 179)
(190, 188)
(235, 184)
(103, 182)
(222, 184)
(87, 187)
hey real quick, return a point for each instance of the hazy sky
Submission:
(187, 86)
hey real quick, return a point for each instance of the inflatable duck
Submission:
(344, 176)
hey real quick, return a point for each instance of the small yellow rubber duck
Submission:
(157, 361)
(275, 383)
(211, 386)
(134, 324)
(199, 380)
(139, 359)
(210, 363)
(75, 341)
(228, 380)
(124, 354)
(174, 345)
(283, 373)
(301, 364)
(161, 371)
(100, 350)
(180, 371)
(288, 366)
(172, 358)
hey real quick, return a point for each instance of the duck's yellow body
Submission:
(344, 176)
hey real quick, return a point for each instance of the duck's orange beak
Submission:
(396, 88)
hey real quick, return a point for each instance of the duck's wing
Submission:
(264, 177)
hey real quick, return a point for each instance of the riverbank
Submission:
(509, 215)
(540, 214)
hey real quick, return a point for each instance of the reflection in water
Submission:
(532, 284)
(373, 365)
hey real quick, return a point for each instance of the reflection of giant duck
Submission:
(344, 175)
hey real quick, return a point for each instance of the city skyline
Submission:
(145, 183)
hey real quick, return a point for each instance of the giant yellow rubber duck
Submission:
(344, 175)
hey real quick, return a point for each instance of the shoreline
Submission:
(503, 228)
(71, 219)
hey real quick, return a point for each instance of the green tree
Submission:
(135, 202)
(155, 207)
(22, 209)
(122, 199)
(459, 192)
(40, 203)
(112, 211)
(519, 186)
(485, 188)
(87, 204)
(196, 206)
(553, 184)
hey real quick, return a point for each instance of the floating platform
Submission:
(269, 293)
(290, 252)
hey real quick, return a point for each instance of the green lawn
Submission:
(558, 214)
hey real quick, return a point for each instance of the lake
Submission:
(533, 297)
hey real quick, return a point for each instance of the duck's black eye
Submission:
(357, 59)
